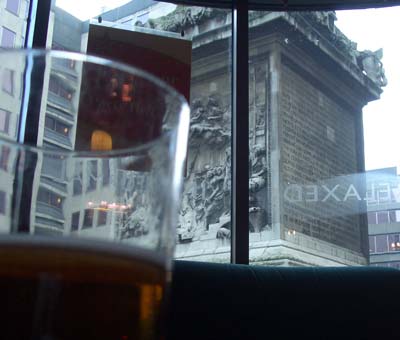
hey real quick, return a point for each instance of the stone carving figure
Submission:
(370, 62)
(213, 195)
(258, 168)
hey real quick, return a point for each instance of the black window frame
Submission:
(40, 10)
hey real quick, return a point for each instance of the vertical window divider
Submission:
(240, 134)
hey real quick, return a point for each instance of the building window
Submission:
(102, 217)
(92, 176)
(372, 248)
(13, 6)
(106, 171)
(4, 120)
(4, 156)
(7, 38)
(8, 81)
(75, 221)
(372, 218)
(383, 217)
(392, 216)
(57, 88)
(381, 244)
(2, 202)
(50, 198)
(394, 242)
(77, 186)
(57, 126)
(88, 218)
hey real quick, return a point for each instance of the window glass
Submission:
(102, 217)
(394, 242)
(105, 164)
(4, 120)
(372, 218)
(381, 243)
(392, 216)
(203, 231)
(50, 198)
(77, 186)
(4, 157)
(318, 182)
(13, 6)
(383, 217)
(57, 126)
(2, 202)
(8, 81)
(91, 175)
(75, 221)
(7, 38)
(88, 218)
(372, 248)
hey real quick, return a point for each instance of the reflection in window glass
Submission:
(204, 218)
(311, 202)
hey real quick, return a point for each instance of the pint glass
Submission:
(91, 160)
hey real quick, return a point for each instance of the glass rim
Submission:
(120, 66)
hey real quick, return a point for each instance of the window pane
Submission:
(310, 198)
(204, 218)
(7, 38)
(13, 26)
(75, 221)
(102, 218)
(77, 189)
(88, 218)
(91, 175)
(106, 171)
(13, 6)
(4, 120)
(372, 218)
(381, 243)
(383, 217)
(8, 81)
(2, 202)
(372, 248)
(394, 242)
(392, 216)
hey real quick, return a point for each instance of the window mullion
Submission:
(240, 135)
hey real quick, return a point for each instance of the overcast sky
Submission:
(371, 29)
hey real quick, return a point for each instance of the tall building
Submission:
(13, 25)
